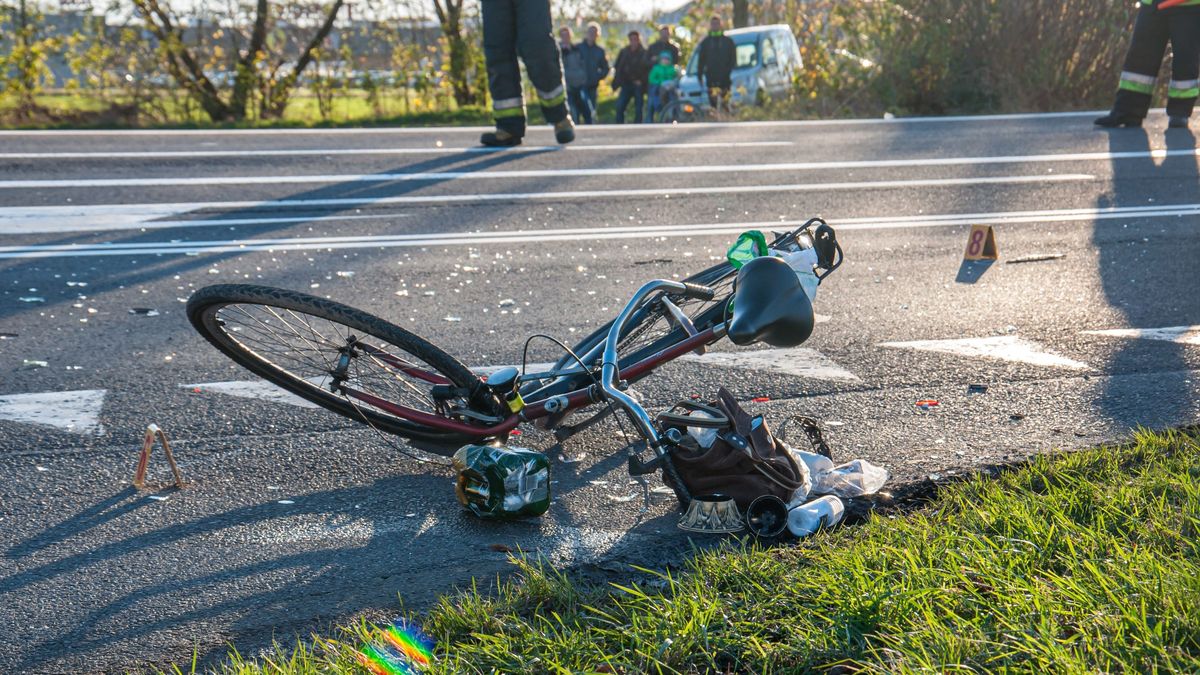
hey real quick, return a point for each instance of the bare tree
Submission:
(450, 15)
(185, 67)
(741, 13)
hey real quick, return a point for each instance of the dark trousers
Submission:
(581, 107)
(513, 28)
(1180, 26)
(638, 94)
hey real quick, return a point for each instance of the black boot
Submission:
(1113, 120)
(1178, 122)
(500, 139)
(564, 131)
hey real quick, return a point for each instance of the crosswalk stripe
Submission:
(1004, 347)
(1186, 335)
(74, 411)
(252, 389)
(797, 361)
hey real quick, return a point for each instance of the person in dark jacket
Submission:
(664, 44)
(574, 73)
(512, 27)
(629, 75)
(595, 67)
(718, 56)
(1159, 22)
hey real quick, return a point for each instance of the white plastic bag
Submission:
(802, 263)
(852, 479)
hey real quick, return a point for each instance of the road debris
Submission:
(1037, 257)
(927, 403)
(285, 502)
(346, 274)
(29, 364)
(144, 311)
(977, 388)
(31, 298)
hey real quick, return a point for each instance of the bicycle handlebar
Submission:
(698, 292)
(609, 372)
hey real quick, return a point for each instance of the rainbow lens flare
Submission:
(401, 651)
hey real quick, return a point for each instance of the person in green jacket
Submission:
(1159, 22)
(662, 79)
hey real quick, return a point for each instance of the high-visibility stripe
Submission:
(1184, 89)
(508, 112)
(507, 103)
(549, 95)
(1143, 84)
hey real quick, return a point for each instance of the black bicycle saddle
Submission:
(770, 305)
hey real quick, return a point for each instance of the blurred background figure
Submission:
(663, 78)
(512, 27)
(665, 44)
(629, 75)
(574, 72)
(718, 56)
(595, 67)
(1159, 22)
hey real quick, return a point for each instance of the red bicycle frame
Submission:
(533, 409)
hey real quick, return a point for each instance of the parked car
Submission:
(767, 57)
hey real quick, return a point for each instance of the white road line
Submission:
(1184, 335)
(113, 222)
(583, 234)
(84, 218)
(1004, 347)
(797, 361)
(675, 170)
(365, 152)
(622, 128)
(252, 389)
(74, 411)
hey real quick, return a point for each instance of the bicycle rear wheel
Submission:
(320, 350)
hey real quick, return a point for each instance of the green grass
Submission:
(1085, 562)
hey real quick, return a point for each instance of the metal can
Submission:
(496, 481)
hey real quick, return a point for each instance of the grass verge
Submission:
(1085, 562)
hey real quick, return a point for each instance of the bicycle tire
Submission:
(204, 310)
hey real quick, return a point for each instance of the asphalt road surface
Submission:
(294, 518)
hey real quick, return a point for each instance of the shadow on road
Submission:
(1145, 270)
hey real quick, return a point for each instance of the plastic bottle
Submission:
(807, 518)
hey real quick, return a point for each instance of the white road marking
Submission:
(113, 222)
(99, 217)
(484, 371)
(583, 234)
(669, 170)
(253, 389)
(797, 361)
(621, 128)
(365, 152)
(1004, 347)
(74, 411)
(1184, 335)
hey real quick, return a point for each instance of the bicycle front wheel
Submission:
(320, 350)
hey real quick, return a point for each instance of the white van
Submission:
(767, 57)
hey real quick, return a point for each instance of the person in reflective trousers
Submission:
(522, 27)
(1159, 22)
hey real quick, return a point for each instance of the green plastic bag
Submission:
(502, 482)
(749, 245)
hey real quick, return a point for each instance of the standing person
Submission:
(662, 79)
(595, 66)
(512, 27)
(1159, 22)
(665, 44)
(629, 75)
(574, 72)
(718, 56)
